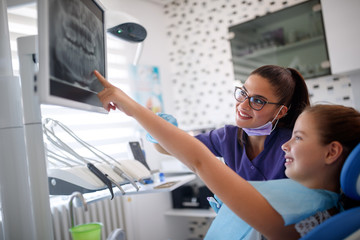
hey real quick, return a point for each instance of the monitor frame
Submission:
(50, 90)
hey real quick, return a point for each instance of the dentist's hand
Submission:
(112, 97)
(215, 203)
(171, 119)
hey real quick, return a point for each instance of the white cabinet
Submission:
(146, 211)
(341, 19)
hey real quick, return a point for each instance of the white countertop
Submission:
(169, 184)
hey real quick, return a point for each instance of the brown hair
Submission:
(342, 124)
(337, 123)
(290, 87)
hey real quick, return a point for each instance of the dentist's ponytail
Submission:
(290, 87)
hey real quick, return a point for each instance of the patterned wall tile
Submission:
(330, 89)
(200, 58)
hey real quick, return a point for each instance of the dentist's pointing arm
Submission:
(236, 193)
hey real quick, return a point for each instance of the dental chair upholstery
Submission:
(346, 223)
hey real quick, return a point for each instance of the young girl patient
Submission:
(322, 138)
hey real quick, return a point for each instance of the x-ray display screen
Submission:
(76, 47)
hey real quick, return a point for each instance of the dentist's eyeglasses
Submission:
(256, 103)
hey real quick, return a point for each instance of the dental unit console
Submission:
(89, 171)
(64, 181)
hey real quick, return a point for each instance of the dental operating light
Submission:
(130, 32)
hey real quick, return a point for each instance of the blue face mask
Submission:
(263, 130)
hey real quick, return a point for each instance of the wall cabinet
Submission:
(341, 20)
(292, 37)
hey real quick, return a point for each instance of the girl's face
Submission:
(304, 153)
(246, 117)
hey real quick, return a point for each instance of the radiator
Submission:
(108, 212)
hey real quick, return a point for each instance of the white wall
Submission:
(355, 86)
(151, 16)
(155, 52)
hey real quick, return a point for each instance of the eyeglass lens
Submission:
(255, 102)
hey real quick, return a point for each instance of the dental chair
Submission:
(344, 225)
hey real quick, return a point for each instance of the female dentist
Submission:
(267, 107)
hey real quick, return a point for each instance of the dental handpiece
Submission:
(125, 176)
(115, 183)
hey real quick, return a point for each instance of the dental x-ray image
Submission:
(76, 42)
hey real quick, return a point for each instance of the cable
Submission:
(49, 131)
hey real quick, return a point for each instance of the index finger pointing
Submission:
(102, 80)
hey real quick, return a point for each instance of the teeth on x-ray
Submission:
(77, 47)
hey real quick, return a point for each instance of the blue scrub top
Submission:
(269, 164)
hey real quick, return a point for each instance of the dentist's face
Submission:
(246, 117)
(76, 48)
